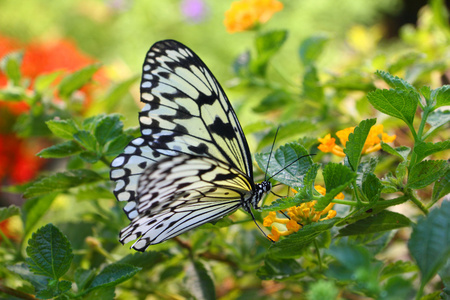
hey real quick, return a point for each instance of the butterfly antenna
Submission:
(254, 220)
(290, 164)
(270, 154)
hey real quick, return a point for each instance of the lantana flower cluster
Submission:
(248, 14)
(299, 216)
(372, 144)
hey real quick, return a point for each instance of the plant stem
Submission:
(319, 258)
(417, 202)
(16, 293)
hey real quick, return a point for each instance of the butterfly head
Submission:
(260, 189)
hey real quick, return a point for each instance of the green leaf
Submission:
(371, 187)
(83, 278)
(112, 275)
(430, 241)
(396, 103)
(441, 187)
(400, 171)
(425, 149)
(356, 140)
(288, 130)
(10, 65)
(199, 282)
(267, 45)
(337, 177)
(86, 139)
(54, 289)
(50, 252)
(282, 157)
(441, 96)
(312, 89)
(401, 151)
(108, 129)
(145, 260)
(311, 48)
(61, 182)
(398, 268)
(76, 80)
(7, 212)
(65, 149)
(116, 146)
(406, 60)
(394, 81)
(292, 245)
(436, 119)
(275, 100)
(425, 173)
(33, 209)
(63, 128)
(39, 282)
(352, 81)
(116, 93)
(43, 82)
(382, 221)
(279, 269)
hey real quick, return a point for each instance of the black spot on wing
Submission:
(223, 129)
(201, 149)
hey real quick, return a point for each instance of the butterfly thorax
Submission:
(259, 191)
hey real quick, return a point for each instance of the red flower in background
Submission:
(18, 163)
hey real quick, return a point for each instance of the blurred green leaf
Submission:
(395, 82)
(353, 81)
(425, 149)
(401, 151)
(441, 187)
(288, 130)
(405, 61)
(312, 89)
(50, 253)
(396, 103)
(63, 128)
(425, 173)
(436, 119)
(241, 64)
(83, 278)
(54, 289)
(274, 269)
(13, 93)
(144, 260)
(355, 144)
(382, 221)
(39, 282)
(274, 101)
(60, 150)
(281, 158)
(10, 65)
(108, 128)
(76, 80)
(61, 181)
(7, 212)
(117, 92)
(33, 209)
(311, 48)
(429, 243)
(293, 245)
(267, 45)
(199, 282)
(441, 96)
(44, 81)
(371, 187)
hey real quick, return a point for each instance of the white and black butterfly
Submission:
(192, 164)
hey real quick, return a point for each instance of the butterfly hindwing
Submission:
(182, 192)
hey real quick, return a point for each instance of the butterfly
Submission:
(192, 163)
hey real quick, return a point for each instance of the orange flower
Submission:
(246, 14)
(372, 143)
(299, 216)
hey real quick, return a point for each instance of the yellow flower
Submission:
(299, 216)
(246, 14)
(372, 144)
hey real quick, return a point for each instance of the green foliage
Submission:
(283, 78)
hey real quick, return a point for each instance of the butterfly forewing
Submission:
(186, 110)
